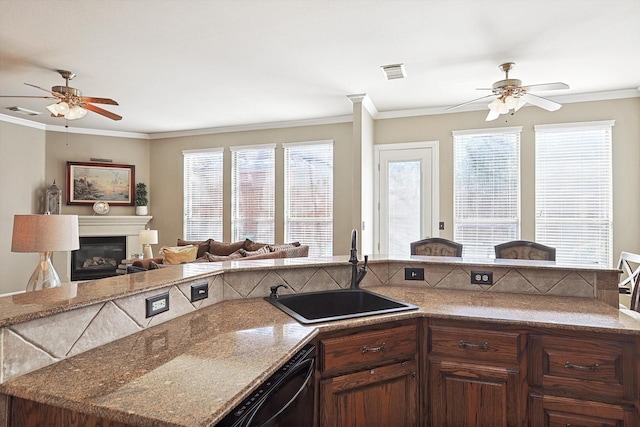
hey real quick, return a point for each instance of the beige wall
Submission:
(626, 157)
(167, 165)
(31, 158)
(62, 147)
(22, 185)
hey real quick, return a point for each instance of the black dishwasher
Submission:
(284, 399)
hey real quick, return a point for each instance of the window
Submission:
(574, 191)
(253, 193)
(308, 194)
(202, 194)
(486, 189)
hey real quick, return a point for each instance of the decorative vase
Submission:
(141, 210)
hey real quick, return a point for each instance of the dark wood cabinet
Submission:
(476, 375)
(554, 411)
(583, 379)
(370, 378)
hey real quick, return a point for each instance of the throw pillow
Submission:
(203, 246)
(179, 254)
(220, 258)
(222, 248)
(262, 250)
(283, 247)
(251, 246)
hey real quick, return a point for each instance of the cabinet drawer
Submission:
(480, 344)
(583, 367)
(368, 348)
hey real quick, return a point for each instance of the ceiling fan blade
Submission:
(469, 102)
(56, 94)
(492, 116)
(547, 86)
(98, 100)
(541, 102)
(100, 111)
(20, 96)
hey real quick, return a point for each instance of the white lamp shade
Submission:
(45, 233)
(148, 237)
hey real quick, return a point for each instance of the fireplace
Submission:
(127, 226)
(98, 257)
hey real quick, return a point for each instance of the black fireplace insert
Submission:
(98, 257)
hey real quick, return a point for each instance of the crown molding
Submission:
(363, 98)
(563, 99)
(99, 132)
(22, 122)
(257, 126)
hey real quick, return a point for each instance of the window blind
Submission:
(253, 193)
(202, 195)
(574, 210)
(308, 192)
(486, 189)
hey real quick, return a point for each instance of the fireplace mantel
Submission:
(104, 225)
(111, 225)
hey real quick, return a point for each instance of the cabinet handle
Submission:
(483, 346)
(373, 349)
(570, 365)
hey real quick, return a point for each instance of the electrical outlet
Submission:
(413, 273)
(157, 304)
(482, 277)
(199, 291)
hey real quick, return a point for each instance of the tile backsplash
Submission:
(28, 346)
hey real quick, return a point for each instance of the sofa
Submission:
(213, 251)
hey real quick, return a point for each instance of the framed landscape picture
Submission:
(88, 183)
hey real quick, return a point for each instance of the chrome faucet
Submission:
(356, 275)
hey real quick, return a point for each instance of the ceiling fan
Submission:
(511, 95)
(70, 103)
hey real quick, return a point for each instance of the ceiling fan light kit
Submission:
(70, 104)
(511, 95)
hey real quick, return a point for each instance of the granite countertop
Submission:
(23, 307)
(193, 370)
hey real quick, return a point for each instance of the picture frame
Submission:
(89, 182)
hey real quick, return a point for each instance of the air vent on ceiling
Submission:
(23, 111)
(393, 71)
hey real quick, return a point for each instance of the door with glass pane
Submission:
(407, 183)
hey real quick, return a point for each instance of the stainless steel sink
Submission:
(326, 306)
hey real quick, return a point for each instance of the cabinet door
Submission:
(551, 411)
(472, 395)
(382, 397)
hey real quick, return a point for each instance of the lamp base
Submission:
(147, 252)
(44, 276)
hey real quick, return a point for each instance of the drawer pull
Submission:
(373, 349)
(570, 365)
(483, 346)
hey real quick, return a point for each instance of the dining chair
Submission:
(629, 265)
(523, 249)
(436, 246)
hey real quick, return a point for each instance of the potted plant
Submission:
(141, 199)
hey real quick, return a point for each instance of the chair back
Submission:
(523, 249)
(629, 264)
(436, 246)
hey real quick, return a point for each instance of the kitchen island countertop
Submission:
(193, 370)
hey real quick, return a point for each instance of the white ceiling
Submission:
(177, 65)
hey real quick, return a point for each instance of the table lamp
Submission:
(147, 238)
(44, 234)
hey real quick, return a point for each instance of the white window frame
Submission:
(574, 191)
(268, 214)
(320, 244)
(194, 196)
(477, 247)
